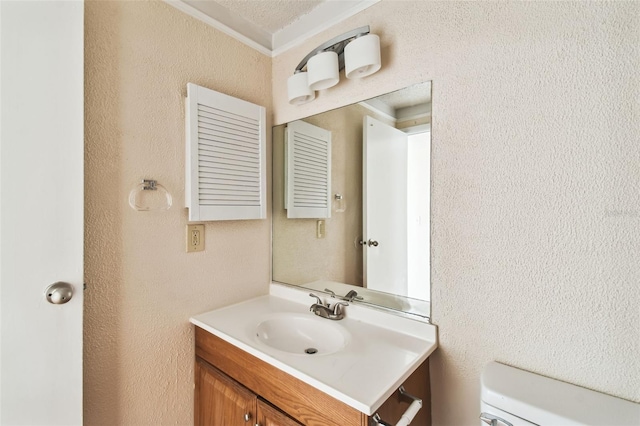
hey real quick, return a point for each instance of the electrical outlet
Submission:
(320, 229)
(195, 238)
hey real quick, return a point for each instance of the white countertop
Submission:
(384, 349)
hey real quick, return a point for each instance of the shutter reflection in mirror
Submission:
(307, 171)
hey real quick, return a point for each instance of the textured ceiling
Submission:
(270, 15)
(272, 26)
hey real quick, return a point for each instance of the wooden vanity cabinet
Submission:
(221, 401)
(271, 416)
(231, 384)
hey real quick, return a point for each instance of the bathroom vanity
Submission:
(256, 365)
(270, 360)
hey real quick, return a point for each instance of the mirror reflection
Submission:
(351, 204)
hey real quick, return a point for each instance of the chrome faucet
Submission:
(325, 311)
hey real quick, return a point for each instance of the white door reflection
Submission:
(395, 210)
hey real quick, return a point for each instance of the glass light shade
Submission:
(298, 89)
(362, 56)
(323, 70)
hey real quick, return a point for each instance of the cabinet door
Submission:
(270, 416)
(220, 401)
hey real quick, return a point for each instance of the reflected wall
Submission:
(299, 257)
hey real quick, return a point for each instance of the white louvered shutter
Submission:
(308, 171)
(226, 157)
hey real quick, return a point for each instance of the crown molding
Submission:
(319, 19)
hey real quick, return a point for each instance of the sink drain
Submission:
(310, 351)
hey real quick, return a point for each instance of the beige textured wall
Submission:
(298, 256)
(142, 286)
(536, 168)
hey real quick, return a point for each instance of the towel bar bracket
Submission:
(409, 414)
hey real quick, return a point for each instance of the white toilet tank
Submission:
(511, 396)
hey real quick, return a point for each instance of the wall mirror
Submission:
(351, 201)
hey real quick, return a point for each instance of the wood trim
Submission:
(301, 401)
(197, 373)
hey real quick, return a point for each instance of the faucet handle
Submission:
(333, 294)
(336, 307)
(318, 301)
(351, 296)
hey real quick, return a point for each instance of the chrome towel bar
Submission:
(409, 413)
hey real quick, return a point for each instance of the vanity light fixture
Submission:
(357, 52)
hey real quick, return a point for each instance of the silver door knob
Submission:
(372, 243)
(247, 417)
(59, 293)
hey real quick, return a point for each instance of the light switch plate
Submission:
(195, 238)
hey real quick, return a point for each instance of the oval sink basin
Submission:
(302, 334)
